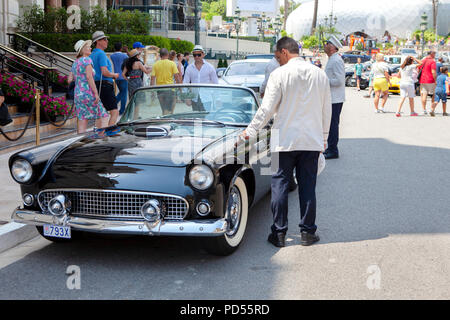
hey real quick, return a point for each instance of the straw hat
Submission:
(133, 53)
(81, 44)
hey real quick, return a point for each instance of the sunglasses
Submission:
(197, 55)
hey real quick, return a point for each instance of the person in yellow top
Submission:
(164, 72)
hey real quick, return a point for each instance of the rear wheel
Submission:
(237, 216)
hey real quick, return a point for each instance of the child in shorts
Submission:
(442, 88)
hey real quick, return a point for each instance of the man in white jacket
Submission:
(297, 96)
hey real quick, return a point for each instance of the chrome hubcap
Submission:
(234, 211)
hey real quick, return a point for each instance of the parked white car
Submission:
(409, 52)
(248, 73)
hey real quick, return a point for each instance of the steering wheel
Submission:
(236, 114)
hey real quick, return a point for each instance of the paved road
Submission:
(383, 218)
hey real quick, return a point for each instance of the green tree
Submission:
(429, 35)
(214, 8)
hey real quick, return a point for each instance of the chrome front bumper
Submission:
(197, 228)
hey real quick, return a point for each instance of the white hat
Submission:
(98, 35)
(80, 44)
(198, 48)
(335, 42)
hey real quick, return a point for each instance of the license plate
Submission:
(57, 231)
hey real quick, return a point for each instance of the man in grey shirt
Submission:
(335, 71)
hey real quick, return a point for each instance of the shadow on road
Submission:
(375, 189)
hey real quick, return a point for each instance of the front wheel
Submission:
(237, 216)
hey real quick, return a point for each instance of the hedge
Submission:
(35, 19)
(65, 42)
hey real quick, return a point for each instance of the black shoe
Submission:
(308, 238)
(277, 239)
(331, 155)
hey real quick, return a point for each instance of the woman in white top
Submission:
(408, 77)
(381, 82)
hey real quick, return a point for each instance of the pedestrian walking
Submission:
(335, 71)
(200, 71)
(134, 71)
(407, 84)
(370, 84)
(381, 82)
(180, 64)
(118, 58)
(86, 98)
(439, 65)
(186, 60)
(358, 73)
(442, 88)
(427, 79)
(164, 72)
(139, 46)
(173, 57)
(296, 93)
(104, 76)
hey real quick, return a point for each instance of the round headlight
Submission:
(201, 177)
(28, 199)
(21, 170)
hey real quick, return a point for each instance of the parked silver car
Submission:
(248, 73)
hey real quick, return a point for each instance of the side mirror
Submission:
(220, 74)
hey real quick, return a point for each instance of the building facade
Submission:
(10, 10)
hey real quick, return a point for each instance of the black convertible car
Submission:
(171, 167)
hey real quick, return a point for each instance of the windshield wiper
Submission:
(206, 120)
(148, 120)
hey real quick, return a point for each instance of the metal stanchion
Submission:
(38, 116)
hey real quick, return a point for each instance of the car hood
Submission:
(246, 80)
(177, 149)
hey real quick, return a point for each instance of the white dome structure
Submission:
(399, 17)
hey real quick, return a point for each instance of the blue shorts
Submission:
(440, 95)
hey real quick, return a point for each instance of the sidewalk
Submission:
(11, 234)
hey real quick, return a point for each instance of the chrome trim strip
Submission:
(114, 191)
(196, 228)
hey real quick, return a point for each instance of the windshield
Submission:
(246, 68)
(409, 51)
(232, 106)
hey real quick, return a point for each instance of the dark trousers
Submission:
(305, 164)
(122, 85)
(333, 137)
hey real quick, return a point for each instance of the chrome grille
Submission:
(113, 204)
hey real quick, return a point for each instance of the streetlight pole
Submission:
(423, 27)
(237, 22)
(197, 9)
